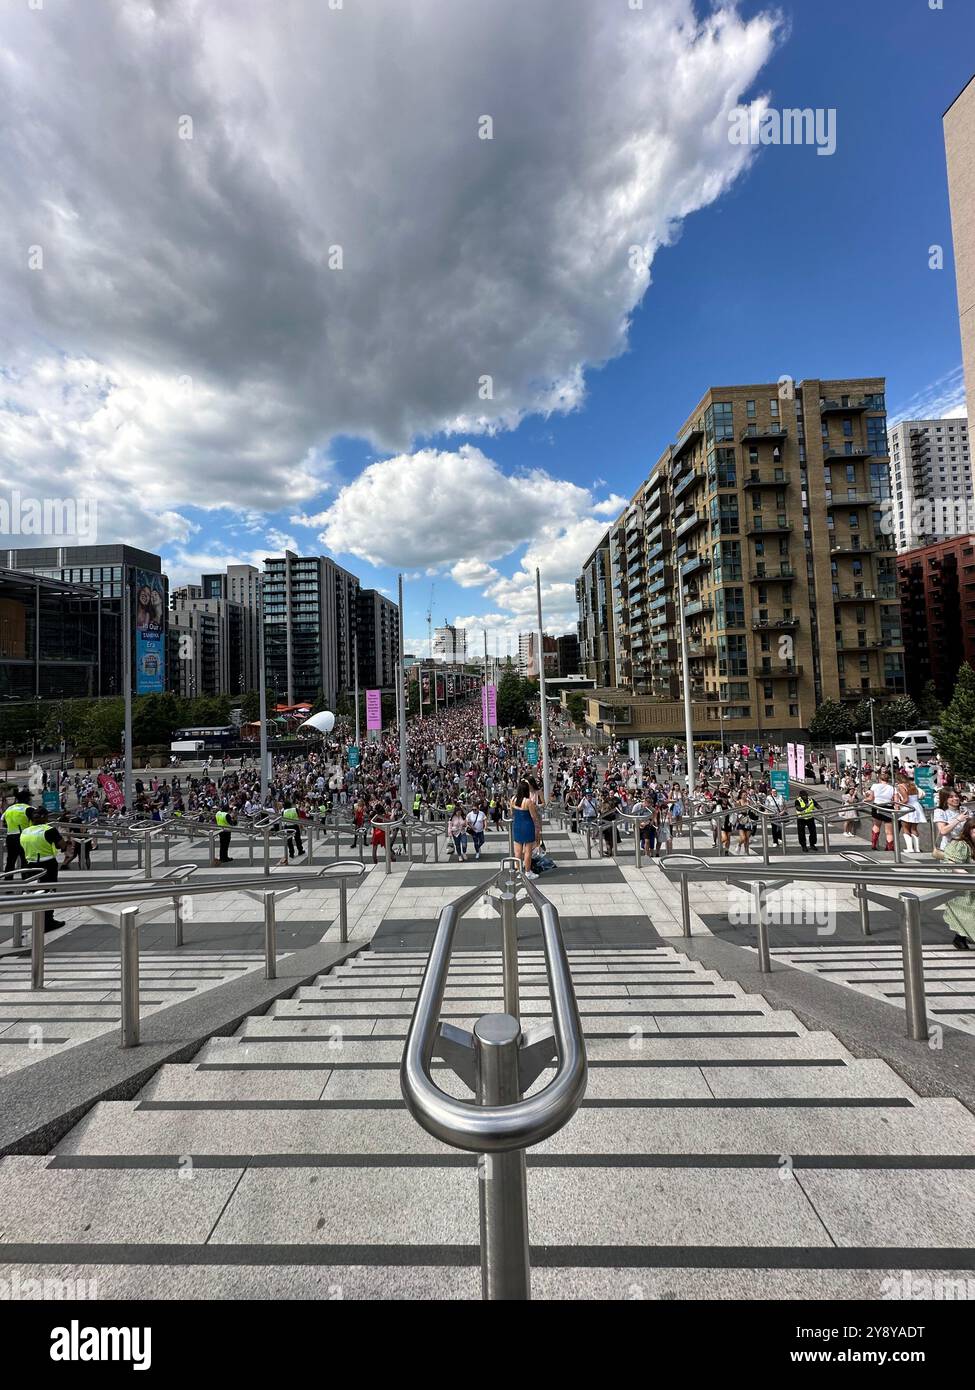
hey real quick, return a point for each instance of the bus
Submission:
(203, 738)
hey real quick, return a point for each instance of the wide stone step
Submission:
(758, 1125)
(651, 1048)
(638, 1081)
(651, 1212)
(626, 1026)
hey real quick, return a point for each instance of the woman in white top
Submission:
(912, 815)
(949, 818)
(881, 795)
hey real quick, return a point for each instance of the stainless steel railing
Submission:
(500, 1063)
(859, 873)
(121, 906)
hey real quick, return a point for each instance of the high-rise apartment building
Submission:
(568, 653)
(377, 619)
(310, 611)
(240, 585)
(524, 644)
(959, 127)
(937, 590)
(551, 657)
(450, 644)
(212, 642)
(763, 535)
(931, 481)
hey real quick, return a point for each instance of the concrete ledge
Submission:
(39, 1104)
(867, 1027)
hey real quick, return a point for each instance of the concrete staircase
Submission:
(722, 1151)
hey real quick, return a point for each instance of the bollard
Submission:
(685, 906)
(637, 851)
(690, 834)
(764, 839)
(129, 933)
(511, 837)
(37, 950)
(343, 911)
(147, 838)
(310, 842)
(178, 920)
(267, 852)
(436, 848)
(588, 830)
(895, 827)
(389, 853)
(114, 849)
(270, 938)
(761, 904)
(18, 929)
(913, 958)
(503, 1195)
(826, 834)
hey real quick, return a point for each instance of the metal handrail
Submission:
(681, 866)
(495, 1128)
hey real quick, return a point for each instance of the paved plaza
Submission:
(742, 1135)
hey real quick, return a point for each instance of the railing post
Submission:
(825, 832)
(270, 937)
(129, 934)
(914, 1001)
(764, 839)
(18, 931)
(503, 1193)
(114, 836)
(637, 852)
(761, 906)
(147, 838)
(690, 833)
(895, 826)
(614, 844)
(343, 911)
(178, 920)
(588, 832)
(685, 906)
(511, 837)
(37, 950)
(267, 852)
(389, 852)
(861, 894)
(509, 946)
(310, 842)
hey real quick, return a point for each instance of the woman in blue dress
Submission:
(526, 828)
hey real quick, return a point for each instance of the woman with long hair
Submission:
(526, 828)
(960, 910)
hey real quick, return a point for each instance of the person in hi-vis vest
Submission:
(225, 820)
(292, 821)
(16, 818)
(40, 843)
(806, 809)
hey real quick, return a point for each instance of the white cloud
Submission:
(205, 351)
(473, 574)
(943, 399)
(441, 507)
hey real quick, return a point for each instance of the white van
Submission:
(912, 745)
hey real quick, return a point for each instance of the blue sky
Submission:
(804, 265)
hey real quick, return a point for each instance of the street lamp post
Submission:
(404, 780)
(128, 785)
(685, 681)
(873, 731)
(546, 772)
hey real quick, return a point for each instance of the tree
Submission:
(512, 700)
(893, 715)
(832, 723)
(103, 725)
(250, 706)
(955, 739)
(577, 707)
(930, 705)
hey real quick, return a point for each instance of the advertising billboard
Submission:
(150, 638)
(374, 710)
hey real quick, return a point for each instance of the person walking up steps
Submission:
(525, 829)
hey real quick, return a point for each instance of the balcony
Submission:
(701, 651)
(697, 564)
(867, 596)
(757, 434)
(698, 607)
(691, 524)
(687, 481)
(785, 575)
(853, 644)
(759, 526)
(775, 624)
(859, 499)
(686, 441)
(847, 551)
(755, 482)
(838, 452)
(779, 673)
(857, 405)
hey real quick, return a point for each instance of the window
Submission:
(750, 408)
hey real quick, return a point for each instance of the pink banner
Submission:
(489, 707)
(800, 762)
(112, 790)
(374, 709)
(790, 749)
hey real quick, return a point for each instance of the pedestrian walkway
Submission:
(723, 1149)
